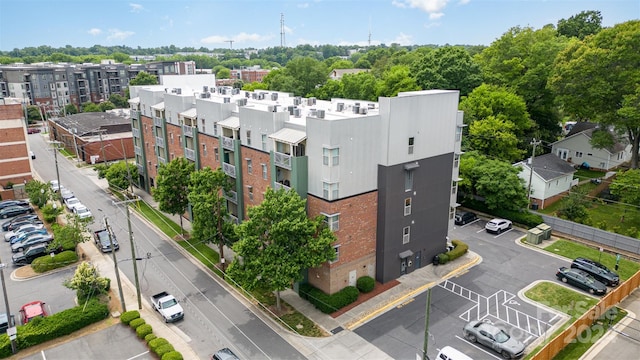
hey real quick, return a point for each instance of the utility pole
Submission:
(55, 155)
(533, 155)
(426, 326)
(133, 249)
(10, 324)
(74, 132)
(230, 43)
(115, 263)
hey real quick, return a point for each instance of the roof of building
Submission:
(549, 166)
(587, 128)
(88, 123)
(289, 136)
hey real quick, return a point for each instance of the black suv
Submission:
(27, 256)
(465, 217)
(597, 270)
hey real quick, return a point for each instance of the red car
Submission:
(33, 130)
(32, 310)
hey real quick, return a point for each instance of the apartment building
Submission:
(15, 163)
(383, 174)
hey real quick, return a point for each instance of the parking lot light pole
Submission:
(6, 304)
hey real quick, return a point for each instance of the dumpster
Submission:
(534, 236)
(546, 230)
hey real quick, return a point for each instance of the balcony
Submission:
(282, 160)
(135, 132)
(157, 121)
(232, 219)
(159, 141)
(187, 130)
(162, 160)
(140, 169)
(231, 196)
(229, 169)
(190, 154)
(277, 186)
(227, 143)
(137, 150)
(135, 114)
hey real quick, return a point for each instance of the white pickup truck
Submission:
(167, 306)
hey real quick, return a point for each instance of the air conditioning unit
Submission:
(340, 107)
(274, 96)
(320, 114)
(297, 112)
(227, 100)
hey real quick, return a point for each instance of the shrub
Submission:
(48, 263)
(127, 316)
(443, 258)
(150, 337)
(525, 218)
(331, 303)
(137, 322)
(163, 349)
(304, 289)
(172, 355)
(143, 330)
(459, 249)
(365, 284)
(155, 343)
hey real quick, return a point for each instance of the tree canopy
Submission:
(172, 186)
(627, 186)
(581, 25)
(143, 78)
(449, 67)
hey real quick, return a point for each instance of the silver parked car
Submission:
(494, 338)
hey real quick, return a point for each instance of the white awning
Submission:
(289, 136)
(232, 122)
(191, 113)
(158, 106)
(135, 100)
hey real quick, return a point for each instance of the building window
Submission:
(171, 137)
(454, 187)
(411, 141)
(408, 180)
(250, 188)
(204, 129)
(264, 171)
(452, 212)
(216, 154)
(249, 137)
(330, 190)
(406, 234)
(249, 166)
(215, 129)
(407, 206)
(204, 149)
(336, 249)
(578, 154)
(332, 221)
(458, 134)
(264, 142)
(173, 156)
(456, 160)
(333, 154)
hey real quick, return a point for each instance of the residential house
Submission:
(576, 149)
(551, 177)
(383, 174)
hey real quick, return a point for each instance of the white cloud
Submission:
(116, 34)
(288, 30)
(94, 31)
(239, 38)
(435, 16)
(432, 7)
(403, 39)
(464, 2)
(303, 5)
(136, 8)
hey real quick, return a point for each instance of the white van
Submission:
(449, 353)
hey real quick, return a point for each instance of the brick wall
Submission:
(209, 158)
(254, 179)
(175, 147)
(146, 124)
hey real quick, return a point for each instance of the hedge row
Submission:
(56, 325)
(46, 262)
(459, 249)
(159, 346)
(329, 303)
(523, 217)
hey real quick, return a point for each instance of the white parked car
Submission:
(21, 230)
(66, 194)
(498, 225)
(55, 186)
(82, 212)
(71, 203)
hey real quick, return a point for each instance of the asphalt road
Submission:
(488, 291)
(214, 318)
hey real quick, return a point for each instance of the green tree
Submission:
(90, 107)
(597, 79)
(143, 78)
(331, 89)
(627, 186)
(39, 193)
(71, 234)
(172, 187)
(223, 73)
(33, 114)
(581, 25)
(87, 282)
(340, 64)
(360, 86)
(70, 109)
(449, 67)
(278, 242)
(106, 105)
(397, 79)
(119, 101)
(117, 175)
(495, 137)
(574, 207)
(208, 207)
(306, 73)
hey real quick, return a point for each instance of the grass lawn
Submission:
(165, 224)
(573, 250)
(573, 304)
(584, 174)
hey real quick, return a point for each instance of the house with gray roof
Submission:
(576, 149)
(551, 177)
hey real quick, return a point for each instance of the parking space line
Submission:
(477, 347)
(141, 354)
(502, 233)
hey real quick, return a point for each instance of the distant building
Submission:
(14, 148)
(249, 74)
(337, 74)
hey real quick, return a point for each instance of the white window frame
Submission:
(406, 234)
(249, 137)
(456, 160)
(216, 153)
(330, 191)
(250, 192)
(408, 180)
(407, 206)
(264, 142)
(330, 153)
(336, 249)
(332, 221)
(249, 166)
(264, 171)
(412, 142)
(204, 149)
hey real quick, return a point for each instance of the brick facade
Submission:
(174, 141)
(254, 182)
(208, 158)
(147, 127)
(14, 153)
(356, 238)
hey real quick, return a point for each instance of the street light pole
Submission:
(133, 249)
(6, 304)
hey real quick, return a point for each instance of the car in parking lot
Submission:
(30, 241)
(224, 354)
(31, 311)
(21, 230)
(66, 194)
(26, 257)
(494, 338)
(27, 234)
(20, 220)
(15, 210)
(497, 226)
(82, 212)
(71, 203)
(465, 217)
(7, 203)
(582, 280)
(597, 270)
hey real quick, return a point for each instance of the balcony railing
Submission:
(282, 160)
(159, 141)
(135, 114)
(140, 169)
(232, 219)
(277, 186)
(162, 160)
(229, 169)
(190, 154)
(188, 130)
(231, 196)
(157, 121)
(227, 143)
(137, 150)
(135, 132)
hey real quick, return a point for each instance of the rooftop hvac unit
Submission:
(261, 96)
(227, 100)
(297, 112)
(274, 96)
(205, 88)
(241, 102)
(356, 108)
(371, 106)
(275, 108)
(270, 108)
(235, 91)
(247, 94)
(223, 91)
(363, 111)
(340, 107)
(254, 96)
(290, 109)
(203, 95)
(320, 114)
(296, 100)
(313, 112)
(178, 91)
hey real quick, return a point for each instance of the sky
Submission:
(258, 24)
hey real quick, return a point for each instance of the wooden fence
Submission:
(575, 331)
